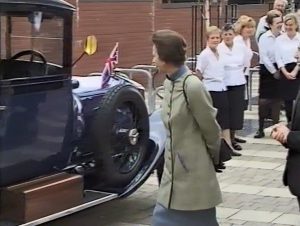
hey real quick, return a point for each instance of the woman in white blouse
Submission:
(286, 54)
(210, 69)
(235, 61)
(269, 97)
(245, 29)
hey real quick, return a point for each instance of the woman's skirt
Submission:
(220, 102)
(236, 102)
(268, 85)
(168, 217)
(289, 88)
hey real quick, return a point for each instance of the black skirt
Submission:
(236, 102)
(289, 88)
(268, 85)
(220, 102)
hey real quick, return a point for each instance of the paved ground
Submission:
(252, 191)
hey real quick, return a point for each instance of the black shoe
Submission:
(259, 134)
(236, 146)
(222, 166)
(235, 153)
(239, 140)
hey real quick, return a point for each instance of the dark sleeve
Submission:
(293, 141)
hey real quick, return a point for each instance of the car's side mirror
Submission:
(75, 84)
(90, 46)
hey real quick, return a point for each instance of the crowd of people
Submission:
(201, 109)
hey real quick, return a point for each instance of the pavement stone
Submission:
(276, 192)
(256, 216)
(253, 164)
(225, 212)
(288, 219)
(244, 189)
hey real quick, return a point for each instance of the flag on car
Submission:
(109, 66)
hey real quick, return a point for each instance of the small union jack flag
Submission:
(110, 65)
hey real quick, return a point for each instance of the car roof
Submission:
(52, 3)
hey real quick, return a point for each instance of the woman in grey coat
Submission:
(189, 190)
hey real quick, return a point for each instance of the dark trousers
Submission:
(298, 198)
(265, 106)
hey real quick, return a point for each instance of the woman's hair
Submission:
(228, 27)
(170, 46)
(293, 17)
(212, 30)
(242, 22)
(271, 15)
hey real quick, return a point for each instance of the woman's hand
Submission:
(287, 74)
(290, 75)
(295, 71)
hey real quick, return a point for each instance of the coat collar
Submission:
(180, 72)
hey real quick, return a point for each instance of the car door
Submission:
(35, 126)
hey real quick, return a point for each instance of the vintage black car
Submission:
(53, 123)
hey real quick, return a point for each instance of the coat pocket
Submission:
(182, 163)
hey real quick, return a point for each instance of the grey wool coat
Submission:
(189, 179)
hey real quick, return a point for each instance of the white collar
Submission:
(269, 33)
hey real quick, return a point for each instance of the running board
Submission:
(91, 198)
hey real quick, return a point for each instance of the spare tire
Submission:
(120, 133)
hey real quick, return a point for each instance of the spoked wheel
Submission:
(119, 136)
(126, 152)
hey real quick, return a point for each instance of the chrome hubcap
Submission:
(133, 136)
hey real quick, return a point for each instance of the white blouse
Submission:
(247, 43)
(235, 60)
(266, 48)
(212, 70)
(286, 49)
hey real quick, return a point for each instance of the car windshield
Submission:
(38, 31)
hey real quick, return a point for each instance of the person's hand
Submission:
(280, 133)
(294, 73)
(290, 76)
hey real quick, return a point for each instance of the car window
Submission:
(38, 31)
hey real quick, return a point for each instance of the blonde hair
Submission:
(212, 30)
(244, 21)
(293, 17)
